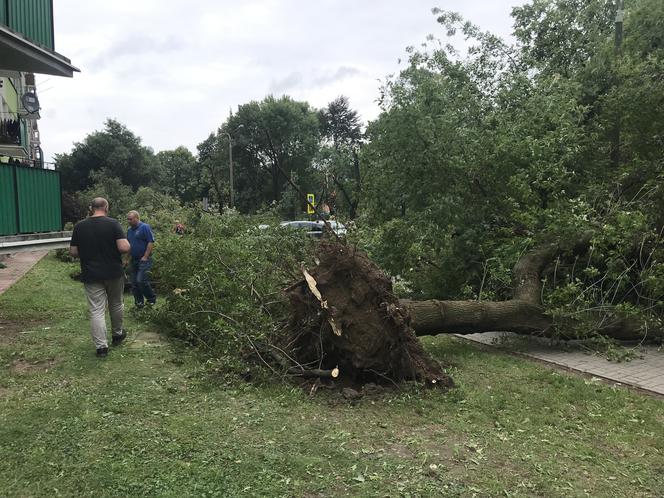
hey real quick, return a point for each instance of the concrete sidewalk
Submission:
(645, 372)
(17, 266)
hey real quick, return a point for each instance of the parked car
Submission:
(315, 228)
(339, 228)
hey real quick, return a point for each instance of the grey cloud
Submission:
(136, 46)
(286, 84)
(341, 74)
(320, 78)
(149, 62)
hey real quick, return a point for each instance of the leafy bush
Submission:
(619, 279)
(222, 283)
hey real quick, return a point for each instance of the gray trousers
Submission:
(101, 294)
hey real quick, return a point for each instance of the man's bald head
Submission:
(99, 204)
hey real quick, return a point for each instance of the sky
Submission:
(171, 71)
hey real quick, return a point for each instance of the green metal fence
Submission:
(30, 200)
(3, 12)
(8, 219)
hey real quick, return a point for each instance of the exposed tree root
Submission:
(345, 315)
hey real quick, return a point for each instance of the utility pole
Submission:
(231, 201)
(620, 16)
(615, 139)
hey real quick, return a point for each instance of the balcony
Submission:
(27, 39)
(13, 136)
(10, 131)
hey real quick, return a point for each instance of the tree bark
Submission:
(469, 317)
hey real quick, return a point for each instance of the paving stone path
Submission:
(645, 372)
(18, 265)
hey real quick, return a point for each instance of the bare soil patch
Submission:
(22, 365)
(145, 339)
(11, 329)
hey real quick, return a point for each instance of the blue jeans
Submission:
(140, 282)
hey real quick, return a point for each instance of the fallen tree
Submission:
(340, 322)
(345, 318)
(524, 313)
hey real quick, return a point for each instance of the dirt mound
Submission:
(345, 315)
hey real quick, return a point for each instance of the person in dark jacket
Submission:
(99, 242)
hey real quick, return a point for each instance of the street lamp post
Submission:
(230, 165)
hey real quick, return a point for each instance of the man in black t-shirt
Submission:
(99, 242)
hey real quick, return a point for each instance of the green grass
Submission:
(151, 421)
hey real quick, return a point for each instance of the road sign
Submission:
(311, 202)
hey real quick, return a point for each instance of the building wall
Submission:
(10, 96)
(11, 108)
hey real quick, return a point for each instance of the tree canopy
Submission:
(478, 157)
(115, 151)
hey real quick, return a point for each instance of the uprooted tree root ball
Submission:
(345, 320)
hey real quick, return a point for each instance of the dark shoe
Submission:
(102, 352)
(117, 339)
(139, 306)
(152, 303)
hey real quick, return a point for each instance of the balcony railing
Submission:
(10, 131)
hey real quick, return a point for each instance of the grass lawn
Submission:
(150, 421)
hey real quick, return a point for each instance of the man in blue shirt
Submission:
(142, 241)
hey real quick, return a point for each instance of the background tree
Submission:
(180, 174)
(268, 136)
(480, 158)
(341, 133)
(213, 165)
(561, 36)
(115, 151)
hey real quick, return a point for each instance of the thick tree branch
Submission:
(527, 273)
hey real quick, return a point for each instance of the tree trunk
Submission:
(468, 317)
(352, 205)
(358, 179)
(217, 189)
